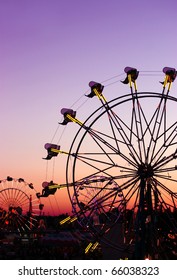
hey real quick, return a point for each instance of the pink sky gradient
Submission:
(49, 51)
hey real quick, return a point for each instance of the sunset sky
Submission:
(49, 51)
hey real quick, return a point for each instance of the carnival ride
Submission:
(121, 169)
(19, 206)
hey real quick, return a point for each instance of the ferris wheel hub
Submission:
(145, 171)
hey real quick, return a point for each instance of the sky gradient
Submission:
(49, 51)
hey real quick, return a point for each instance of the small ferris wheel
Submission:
(19, 205)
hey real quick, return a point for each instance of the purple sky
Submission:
(50, 50)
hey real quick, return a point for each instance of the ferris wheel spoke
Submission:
(14, 193)
(153, 123)
(113, 132)
(160, 117)
(5, 194)
(167, 143)
(81, 156)
(103, 143)
(166, 170)
(165, 188)
(167, 178)
(24, 200)
(133, 189)
(87, 160)
(3, 198)
(164, 161)
(100, 197)
(128, 183)
(146, 129)
(136, 121)
(170, 180)
(98, 139)
(104, 171)
(167, 130)
(161, 196)
(8, 193)
(99, 171)
(17, 194)
(119, 125)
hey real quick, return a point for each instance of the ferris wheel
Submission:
(19, 205)
(122, 167)
(98, 201)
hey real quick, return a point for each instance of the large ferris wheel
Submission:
(121, 168)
